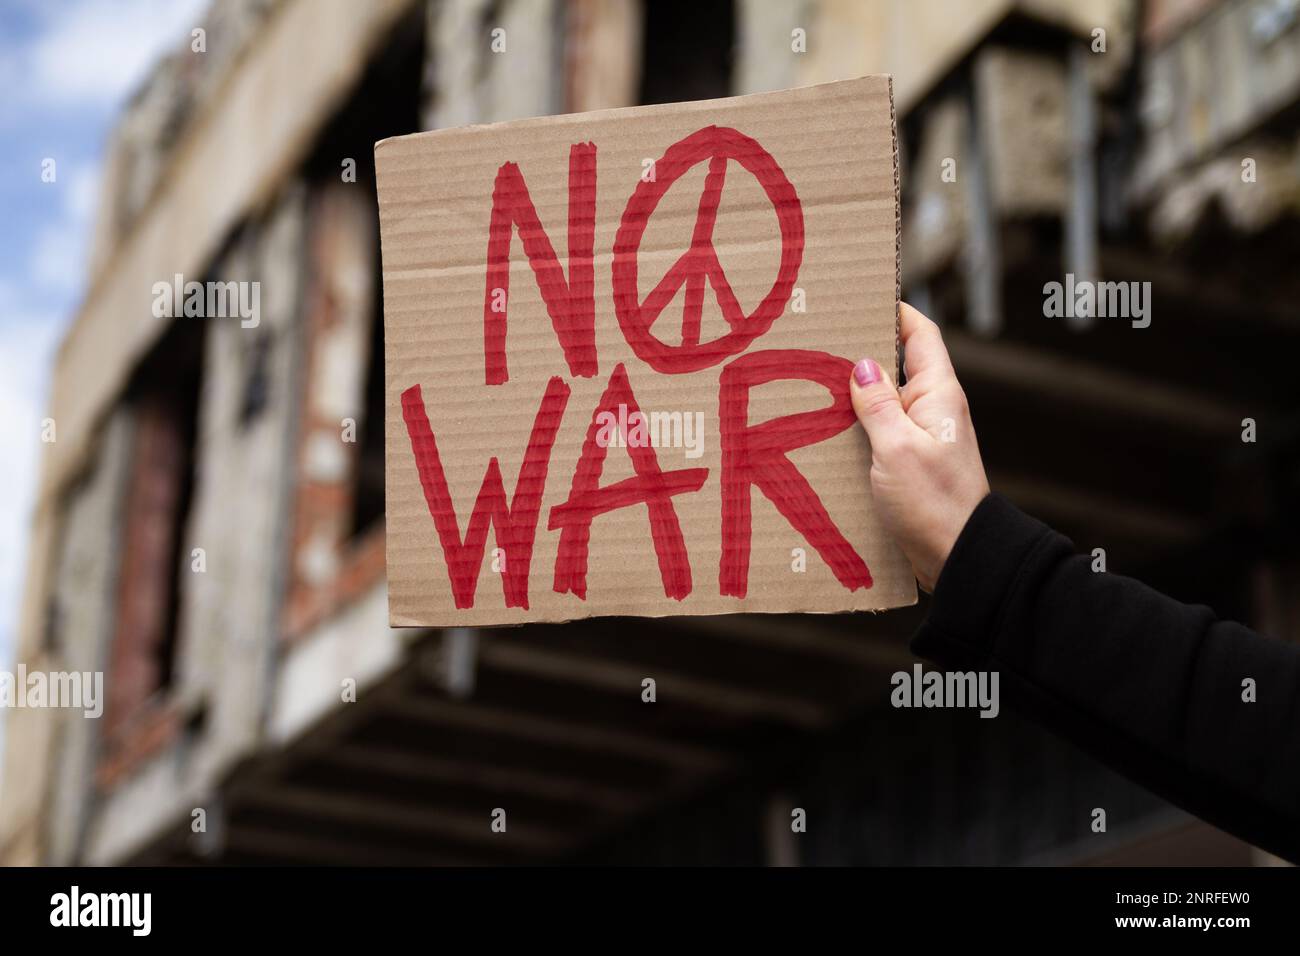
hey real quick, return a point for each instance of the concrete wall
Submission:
(80, 626)
(473, 84)
(918, 42)
(228, 627)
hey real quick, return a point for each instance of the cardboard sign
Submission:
(618, 349)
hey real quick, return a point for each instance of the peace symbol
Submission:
(699, 264)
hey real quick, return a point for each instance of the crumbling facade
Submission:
(210, 527)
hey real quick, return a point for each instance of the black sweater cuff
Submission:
(982, 573)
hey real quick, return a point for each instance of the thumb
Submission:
(876, 402)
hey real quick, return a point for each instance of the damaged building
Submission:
(209, 530)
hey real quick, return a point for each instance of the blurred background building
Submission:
(204, 537)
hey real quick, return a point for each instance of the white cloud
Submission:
(95, 52)
(82, 192)
(58, 255)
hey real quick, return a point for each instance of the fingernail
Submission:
(866, 373)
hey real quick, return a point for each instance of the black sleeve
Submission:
(1147, 685)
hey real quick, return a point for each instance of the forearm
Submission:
(1146, 684)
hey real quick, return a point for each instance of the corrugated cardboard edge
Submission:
(898, 236)
(403, 621)
(898, 272)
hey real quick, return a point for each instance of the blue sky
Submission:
(66, 69)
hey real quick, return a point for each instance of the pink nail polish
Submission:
(866, 372)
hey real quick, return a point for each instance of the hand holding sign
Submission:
(926, 472)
